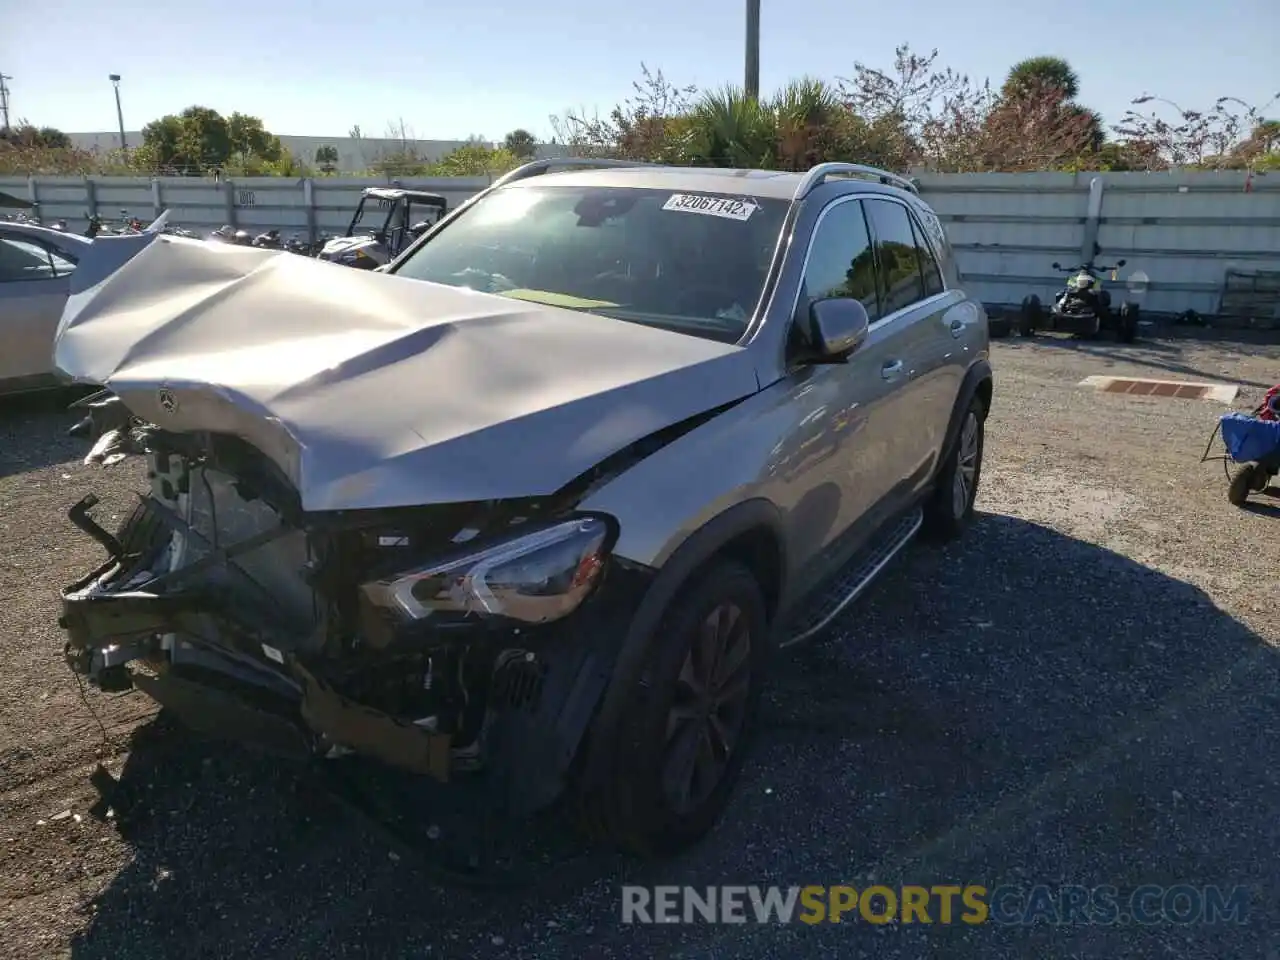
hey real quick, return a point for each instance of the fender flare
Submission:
(977, 374)
(675, 574)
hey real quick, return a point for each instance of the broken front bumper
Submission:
(218, 667)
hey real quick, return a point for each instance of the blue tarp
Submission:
(1249, 439)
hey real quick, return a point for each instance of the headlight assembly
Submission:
(536, 577)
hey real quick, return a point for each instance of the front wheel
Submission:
(949, 509)
(682, 740)
(1127, 330)
(1031, 318)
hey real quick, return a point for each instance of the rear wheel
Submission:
(1250, 478)
(1127, 329)
(950, 508)
(1031, 318)
(1094, 328)
(682, 740)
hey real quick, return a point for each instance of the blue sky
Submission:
(317, 67)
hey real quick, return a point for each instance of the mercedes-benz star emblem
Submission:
(168, 402)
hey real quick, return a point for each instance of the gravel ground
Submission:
(1083, 691)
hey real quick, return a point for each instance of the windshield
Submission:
(689, 262)
(373, 215)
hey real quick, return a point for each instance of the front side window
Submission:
(691, 262)
(841, 262)
(22, 259)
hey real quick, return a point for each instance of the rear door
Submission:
(35, 280)
(915, 308)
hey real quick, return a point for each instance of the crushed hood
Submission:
(368, 390)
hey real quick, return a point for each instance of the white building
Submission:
(354, 155)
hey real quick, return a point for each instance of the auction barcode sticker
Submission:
(710, 206)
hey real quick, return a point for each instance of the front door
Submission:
(34, 284)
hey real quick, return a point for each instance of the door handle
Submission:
(892, 370)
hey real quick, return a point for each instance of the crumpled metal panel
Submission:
(372, 391)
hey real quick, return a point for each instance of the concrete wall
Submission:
(1182, 232)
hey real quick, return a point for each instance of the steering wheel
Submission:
(685, 300)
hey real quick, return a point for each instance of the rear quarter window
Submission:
(933, 229)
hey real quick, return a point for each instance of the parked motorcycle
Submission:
(270, 240)
(1082, 307)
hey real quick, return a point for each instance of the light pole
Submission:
(752, 84)
(4, 101)
(124, 146)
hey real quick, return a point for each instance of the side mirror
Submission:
(837, 326)
(1119, 263)
(1056, 265)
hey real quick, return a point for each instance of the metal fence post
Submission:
(1093, 219)
(33, 195)
(157, 204)
(309, 201)
(229, 195)
(91, 196)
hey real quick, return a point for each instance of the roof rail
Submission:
(535, 167)
(819, 175)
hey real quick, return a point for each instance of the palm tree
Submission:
(1042, 73)
(807, 114)
(731, 129)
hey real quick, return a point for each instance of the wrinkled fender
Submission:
(676, 572)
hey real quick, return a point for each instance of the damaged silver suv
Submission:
(538, 501)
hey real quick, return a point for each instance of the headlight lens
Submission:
(536, 578)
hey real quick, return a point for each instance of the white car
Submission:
(36, 264)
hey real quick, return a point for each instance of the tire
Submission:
(1094, 331)
(1127, 328)
(1245, 481)
(1031, 318)
(641, 807)
(949, 509)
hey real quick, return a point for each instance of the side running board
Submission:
(826, 604)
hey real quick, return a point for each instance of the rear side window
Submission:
(901, 284)
(22, 259)
(928, 262)
(841, 262)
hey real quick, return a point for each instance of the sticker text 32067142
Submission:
(710, 206)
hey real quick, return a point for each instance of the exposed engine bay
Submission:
(417, 635)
